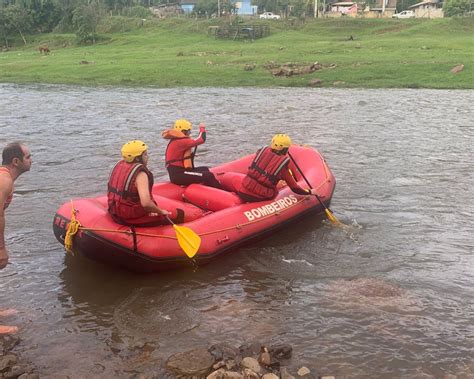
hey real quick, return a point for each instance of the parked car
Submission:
(269, 16)
(404, 14)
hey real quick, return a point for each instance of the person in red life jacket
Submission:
(179, 157)
(129, 192)
(16, 159)
(270, 165)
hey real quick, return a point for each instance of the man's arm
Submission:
(6, 187)
(144, 193)
(288, 177)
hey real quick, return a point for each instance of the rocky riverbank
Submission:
(249, 361)
(11, 366)
(220, 361)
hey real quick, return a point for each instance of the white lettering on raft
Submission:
(271, 208)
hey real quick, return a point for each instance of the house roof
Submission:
(344, 4)
(422, 3)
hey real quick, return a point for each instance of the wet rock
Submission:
(303, 371)
(223, 351)
(7, 361)
(249, 374)
(270, 376)
(281, 351)
(327, 377)
(7, 343)
(250, 349)
(285, 374)
(231, 364)
(251, 363)
(450, 376)
(457, 68)
(264, 358)
(219, 374)
(218, 365)
(29, 376)
(233, 375)
(194, 362)
(15, 372)
(422, 376)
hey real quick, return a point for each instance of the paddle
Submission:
(329, 214)
(188, 240)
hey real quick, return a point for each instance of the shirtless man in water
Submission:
(16, 159)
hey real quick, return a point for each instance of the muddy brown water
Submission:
(390, 297)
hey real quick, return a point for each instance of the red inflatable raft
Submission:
(220, 218)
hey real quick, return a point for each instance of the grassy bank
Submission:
(179, 52)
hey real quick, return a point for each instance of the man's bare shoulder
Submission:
(6, 182)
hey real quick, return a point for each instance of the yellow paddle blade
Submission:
(332, 218)
(188, 240)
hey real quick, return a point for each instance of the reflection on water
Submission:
(388, 297)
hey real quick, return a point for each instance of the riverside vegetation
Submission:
(178, 52)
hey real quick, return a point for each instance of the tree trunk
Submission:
(22, 36)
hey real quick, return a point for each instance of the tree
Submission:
(456, 7)
(14, 19)
(84, 20)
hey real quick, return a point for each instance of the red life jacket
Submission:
(175, 156)
(264, 173)
(122, 194)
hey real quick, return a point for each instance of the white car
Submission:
(269, 16)
(404, 14)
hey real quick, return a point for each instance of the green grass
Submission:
(178, 52)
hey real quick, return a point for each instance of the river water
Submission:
(390, 297)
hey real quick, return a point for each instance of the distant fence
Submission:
(240, 31)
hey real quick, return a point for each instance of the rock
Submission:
(327, 377)
(250, 363)
(282, 71)
(270, 376)
(303, 371)
(219, 374)
(249, 374)
(315, 82)
(230, 364)
(218, 365)
(280, 351)
(222, 351)
(15, 372)
(194, 362)
(338, 83)
(285, 374)
(250, 349)
(29, 376)
(449, 376)
(7, 361)
(457, 68)
(249, 67)
(264, 358)
(233, 375)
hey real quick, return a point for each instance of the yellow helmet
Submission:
(133, 149)
(182, 125)
(280, 142)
